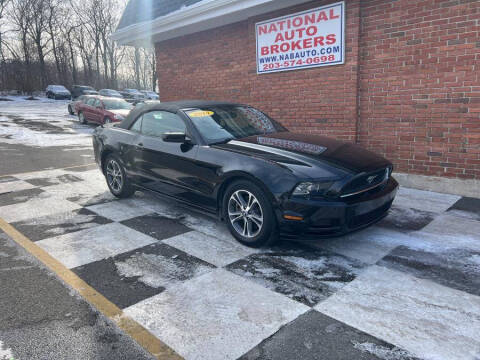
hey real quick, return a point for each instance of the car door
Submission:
(167, 167)
(88, 109)
(97, 111)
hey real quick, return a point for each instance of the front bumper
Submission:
(335, 218)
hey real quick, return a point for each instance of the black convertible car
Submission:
(234, 161)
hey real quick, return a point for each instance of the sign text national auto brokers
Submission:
(308, 39)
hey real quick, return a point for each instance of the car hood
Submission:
(309, 155)
(121, 112)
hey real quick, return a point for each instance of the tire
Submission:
(117, 180)
(81, 118)
(70, 110)
(253, 225)
(107, 120)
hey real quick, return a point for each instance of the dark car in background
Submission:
(103, 110)
(79, 90)
(110, 93)
(150, 95)
(132, 95)
(57, 92)
(234, 161)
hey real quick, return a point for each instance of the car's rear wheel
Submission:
(81, 118)
(249, 214)
(117, 180)
(70, 110)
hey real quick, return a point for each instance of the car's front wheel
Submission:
(249, 214)
(70, 110)
(117, 180)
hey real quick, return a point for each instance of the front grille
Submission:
(365, 219)
(365, 182)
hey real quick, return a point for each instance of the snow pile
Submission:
(382, 352)
(5, 353)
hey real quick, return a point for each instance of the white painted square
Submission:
(101, 242)
(450, 231)
(424, 200)
(80, 189)
(218, 315)
(120, 210)
(219, 252)
(11, 186)
(429, 320)
(41, 174)
(35, 208)
(368, 246)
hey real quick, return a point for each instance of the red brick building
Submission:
(409, 87)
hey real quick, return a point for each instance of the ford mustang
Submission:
(235, 162)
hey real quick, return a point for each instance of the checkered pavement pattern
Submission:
(406, 288)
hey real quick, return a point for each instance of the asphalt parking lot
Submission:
(406, 288)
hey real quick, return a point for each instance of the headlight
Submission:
(119, 117)
(312, 188)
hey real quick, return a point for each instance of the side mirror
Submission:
(174, 137)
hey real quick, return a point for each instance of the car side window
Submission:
(90, 102)
(157, 123)
(137, 125)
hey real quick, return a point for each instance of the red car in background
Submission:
(103, 110)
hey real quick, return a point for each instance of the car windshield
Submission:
(111, 104)
(227, 122)
(132, 91)
(58, 87)
(112, 92)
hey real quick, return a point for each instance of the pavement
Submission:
(406, 288)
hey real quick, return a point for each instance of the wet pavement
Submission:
(40, 135)
(406, 288)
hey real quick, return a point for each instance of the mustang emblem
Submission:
(371, 178)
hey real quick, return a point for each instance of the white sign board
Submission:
(303, 40)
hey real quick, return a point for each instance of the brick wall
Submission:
(409, 89)
(420, 85)
(220, 64)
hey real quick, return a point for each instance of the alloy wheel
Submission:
(245, 213)
(81, 118)
(114, 176)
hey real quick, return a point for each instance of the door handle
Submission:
(140, 145)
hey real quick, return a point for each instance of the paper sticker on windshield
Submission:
(200, 113)
(157, 116)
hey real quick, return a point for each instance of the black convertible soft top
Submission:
(173, 106)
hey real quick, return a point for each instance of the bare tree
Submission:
(69, 41)
(3, 6)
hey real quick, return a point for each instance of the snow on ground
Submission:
(382, 352)
(41, 123)
(5, 353)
